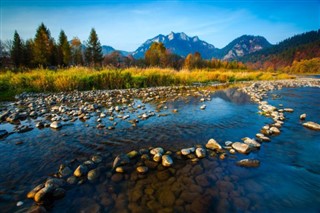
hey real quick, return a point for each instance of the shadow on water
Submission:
(287, 180)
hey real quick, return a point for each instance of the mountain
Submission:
(106, 50)
(242, 46)
(299, 47)
(180, 44)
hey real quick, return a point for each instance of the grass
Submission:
(82, 78)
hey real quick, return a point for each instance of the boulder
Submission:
(167, 160)
(274, 130)
(241, 147)
(200, 152)
(80, 171)
(248, 163)
(213, 144)
(187, 151)
(303, 116)
(312, 125)
(56, 125)
(120, 160)
(251, 142)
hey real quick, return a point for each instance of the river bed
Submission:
(287, 179)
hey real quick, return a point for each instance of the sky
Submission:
(126, 24)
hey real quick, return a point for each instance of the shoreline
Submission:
(256, 90)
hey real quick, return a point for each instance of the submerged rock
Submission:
(312, 125)
(120, 160)
(248, 163)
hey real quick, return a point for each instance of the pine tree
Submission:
(16, 51)
(42, 48)
(28, 53)
(64, 50)
(93, 52)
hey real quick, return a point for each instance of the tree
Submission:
(43, 47)
(156, 55)
(93, 52)
(76, 52)
(28, 53)
(64, 50)
(16, 51)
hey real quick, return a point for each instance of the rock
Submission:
(3, 133)
(64, 170)
(288, 110)
(248, 163)
(58, 193)
(262, 137)
(96, 159)
(132, 154)
(93, 174)
(203, 107)
(19, 203)
(32, 193)
(187, 151)
(142, 169)
(303, 116)
(120, 169)
(55, 183)
(157, 150)
(241, 147)
(117, 177)
(213, 144)
(120, 160)
(232, 151)
(275, 130)
(312, 125)
(200, 152)
(151, 164)
(72, 180)
(43, 194)
(80, 171)
(228, 143)
(56, 125)
(251, 142)
(167, 161)
(157, 157)
(166, 197)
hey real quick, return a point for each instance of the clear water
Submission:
(286, 181)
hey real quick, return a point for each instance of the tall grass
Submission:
(86, 79)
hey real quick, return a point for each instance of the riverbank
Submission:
(189, 161)
(88, 79)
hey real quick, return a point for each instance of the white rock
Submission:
(303, 116)
(200, 152)
(312, 125)
(187, 151)
(241, 147)
(156, 150)
(157, 157)
(203, 107)
(167, 160)
(251, 142)
(20, 203)
(213, 144)
(55, 125)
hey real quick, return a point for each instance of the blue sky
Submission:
(126, 24)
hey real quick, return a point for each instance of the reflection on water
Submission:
(287, 180)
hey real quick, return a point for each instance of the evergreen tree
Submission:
(93, 52)
(64, 50)
(28, 53)
(42, 48)
(16, 51)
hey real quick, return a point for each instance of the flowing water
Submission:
(286, 181)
